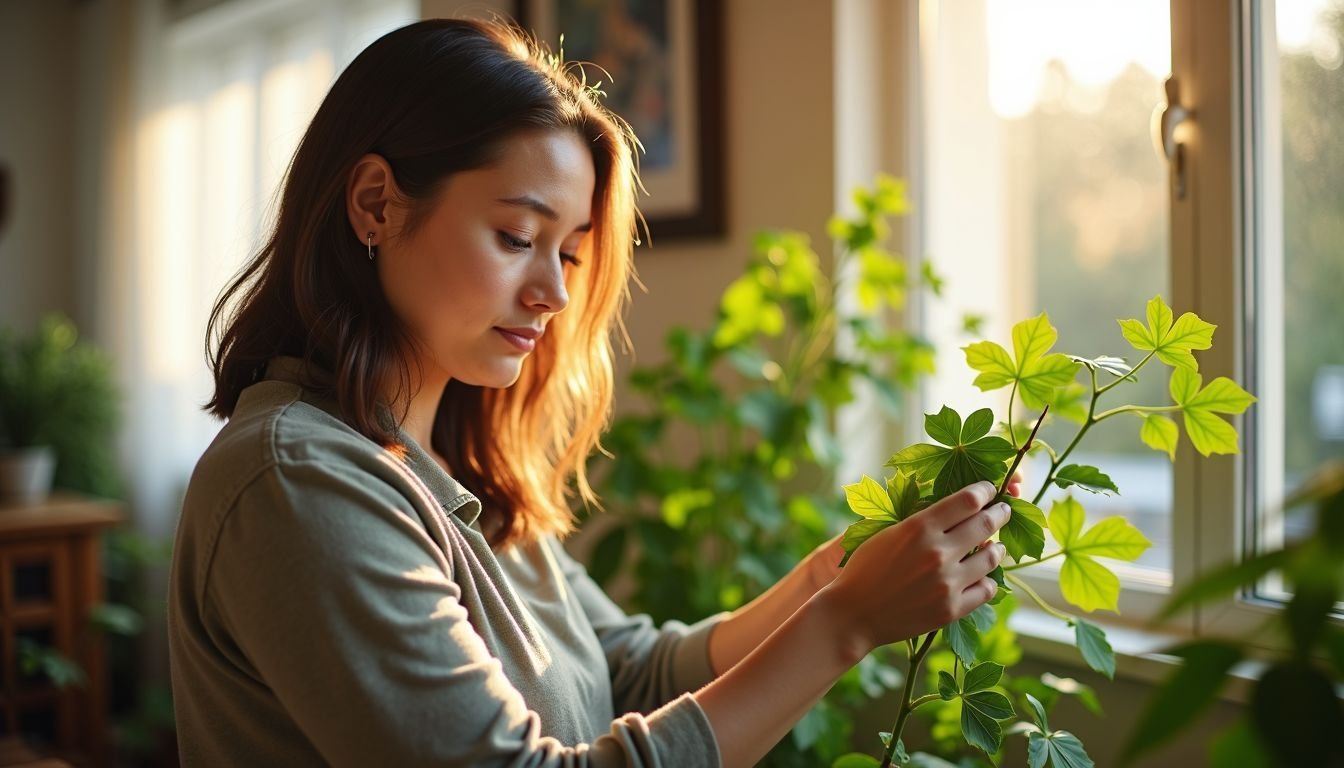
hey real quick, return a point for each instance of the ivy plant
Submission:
(724, 467)
(971, 449)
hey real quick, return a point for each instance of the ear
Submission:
(370, 193)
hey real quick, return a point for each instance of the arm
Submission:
(326, 584)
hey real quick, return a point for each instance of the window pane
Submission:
(1044, 192)
(1299, 269)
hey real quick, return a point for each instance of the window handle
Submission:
(1171, 125)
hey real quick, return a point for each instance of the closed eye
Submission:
(518, 245)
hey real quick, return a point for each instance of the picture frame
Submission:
(659, 65)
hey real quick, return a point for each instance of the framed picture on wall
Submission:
(659, 65)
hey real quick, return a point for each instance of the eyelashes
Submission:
(518, 245)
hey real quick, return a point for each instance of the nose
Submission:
(545, 290)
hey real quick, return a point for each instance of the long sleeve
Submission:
(649, 665)
(324, 583)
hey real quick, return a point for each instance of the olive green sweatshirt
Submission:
(330, 603)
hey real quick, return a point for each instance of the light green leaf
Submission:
(1024, 533)
(982, 677)
(1095, 648)
(870, 499)
(1160, 433)
(1066, 521)
(856, 760)
(1089, 584)
(1037, 374)
(1090, 479)
(1113, 537)
(1208, 432)
(1069, 402)
(903, 490)
(1171, 342)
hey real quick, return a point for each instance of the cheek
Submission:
(438, 286)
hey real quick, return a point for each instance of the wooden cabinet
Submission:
(50, 579)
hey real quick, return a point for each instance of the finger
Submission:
(982, 561)
(979, 526)
(951, 511)
(981, 591)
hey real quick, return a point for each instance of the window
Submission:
(1042, 184)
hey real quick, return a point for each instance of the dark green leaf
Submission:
(923, 459)
(1222, 581)
(1023, 535)
(980, 713)
(1314, 597)
(967, 464)
(944, 426)
(1184, 695)
(859, 532)
(983, 617)
(117, 619)
(947, 686)
(1094, 647)
(1090, 479)
(964, 640)
(977, 425)
(1295, 710)
(982, 677)
(1066, 751)
(1038, 713)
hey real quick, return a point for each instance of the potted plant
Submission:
(58, 413)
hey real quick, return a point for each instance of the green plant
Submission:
(56, 391)
(1294, 716)
(965, 452)
(755, 395)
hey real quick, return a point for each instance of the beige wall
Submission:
(37, 107)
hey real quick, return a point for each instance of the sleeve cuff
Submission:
(682, 729)
(691, 669)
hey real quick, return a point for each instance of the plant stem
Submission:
(1139, 408)
(907, 691)
(1021, 452)
(927, 698)
(1016, 566)
(1059, 460)
(1132, 371)
(1012, 429)
(1048, 608)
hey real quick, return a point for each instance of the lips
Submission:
(523, 339)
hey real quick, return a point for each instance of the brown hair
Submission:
(435, 98)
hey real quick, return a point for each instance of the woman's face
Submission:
(486, 270)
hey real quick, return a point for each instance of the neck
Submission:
(422, 406)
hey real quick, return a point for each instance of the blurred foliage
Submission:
(57, 391)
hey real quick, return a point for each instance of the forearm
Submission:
(747, 627)
(757, 701)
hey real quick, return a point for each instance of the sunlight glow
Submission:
(1092, 40)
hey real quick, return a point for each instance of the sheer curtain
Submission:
(224, 96)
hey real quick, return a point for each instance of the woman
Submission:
(414, 369)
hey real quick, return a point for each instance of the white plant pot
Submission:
(25, 474)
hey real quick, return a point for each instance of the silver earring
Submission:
(370, 246)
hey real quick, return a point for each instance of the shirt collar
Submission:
(315, 383)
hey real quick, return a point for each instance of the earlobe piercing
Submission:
(370, 246)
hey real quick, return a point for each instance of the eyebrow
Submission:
(527, 201)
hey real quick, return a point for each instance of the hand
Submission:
(822, 564)
(914, 577)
